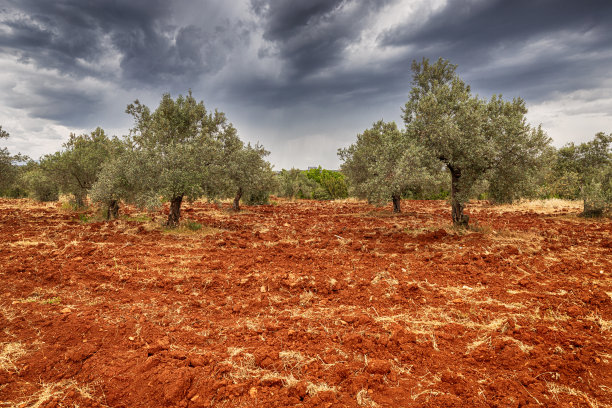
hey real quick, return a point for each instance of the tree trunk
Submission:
(237, 199)
(79, 200)
(459, 219)
(175, 211)
(396, 203)
(112, 211)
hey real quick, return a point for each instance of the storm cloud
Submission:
(303, 78)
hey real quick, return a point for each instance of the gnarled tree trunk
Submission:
(237, 199)
(175, 211)
(112, 211)
(459, 219)
(396, 203)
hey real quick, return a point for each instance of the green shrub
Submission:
(192, 225)
(332, 184)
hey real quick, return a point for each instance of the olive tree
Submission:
(75, 169)
(472, 137)
(118, 180)
(384, 164)
(586, 172)
(250, 175)
(175, 147)
(240, 171)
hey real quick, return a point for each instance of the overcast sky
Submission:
(301, 77)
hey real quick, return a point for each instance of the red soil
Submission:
(306, 304)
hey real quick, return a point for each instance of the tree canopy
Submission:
(331, 184)
(247, 174)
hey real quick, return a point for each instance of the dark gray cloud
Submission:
(307, 68)
(469, 23)
(565, 37)
(68, 105)
(313, 35)
(73, 35)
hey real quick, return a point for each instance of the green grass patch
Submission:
(192, 225)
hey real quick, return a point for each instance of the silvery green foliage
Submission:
(474, 138)
(118, 178)
(253, 178)
(175, 149)
(75, 169)
(577, 165)
(242, 172)
(523, 154)
(384, 163)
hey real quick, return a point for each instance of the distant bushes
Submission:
(294, 184)
(38, 184)
(317, 184)
(331, 185)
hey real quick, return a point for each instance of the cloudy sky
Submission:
(301, 77)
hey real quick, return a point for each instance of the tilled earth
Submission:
(330, 304)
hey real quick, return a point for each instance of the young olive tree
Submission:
(241, 171)
(75, 169)
(472, 137)
(118, 180)
(385, 164)
(250, 175)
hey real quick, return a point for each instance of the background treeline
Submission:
(179, 151)
(314, 183)
(454, 145)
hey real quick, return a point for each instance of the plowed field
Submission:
(305, 303)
